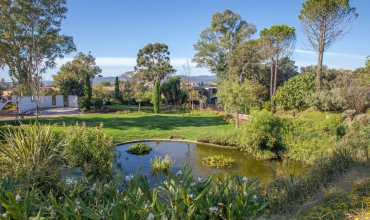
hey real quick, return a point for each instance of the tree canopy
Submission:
(227, 31)
(29, 38)
(153, 64)
(71, 77)
(323, 22)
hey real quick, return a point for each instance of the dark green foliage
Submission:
(88, 92)
(117, 93)
(139, 149)
(290, 95)
(156, 96)
(171, 90)
(98, 103)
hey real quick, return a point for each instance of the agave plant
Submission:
(31, 155)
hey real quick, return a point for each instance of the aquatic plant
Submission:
(161, 164)
(139, 149)
(218, 161)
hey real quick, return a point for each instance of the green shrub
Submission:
(325, 100)
(98, 103)
(218, 161)
(262, 133)
(139, 149)
(32, 155)
(161, 165)
(91, 149)
(290, 96)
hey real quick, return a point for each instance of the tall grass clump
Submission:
(161, 164)
(32, 156)
(91, 149)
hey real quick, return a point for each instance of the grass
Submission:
(161, 164)
(129, 107)
(136, 126)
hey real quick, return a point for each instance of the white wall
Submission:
(73, 101)
(26, 103)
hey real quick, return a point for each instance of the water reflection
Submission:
(192, 154)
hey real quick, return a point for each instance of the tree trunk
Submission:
(319, 70)
(271, 79)
(237, 119)
(139, 106)
(276, 72)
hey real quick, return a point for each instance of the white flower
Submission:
(199, 179)
(220, 183)
(106, 185)
(4, 215)
(213, 210)
(101, 214)
(117, 191)
(245, 193)
(129, 177)
(77, 203)
(112, 204)
(193, 184)
(245, 179)
(17, 197)
(164, 217)
(150, 216)
(254, 196)
(190, 196)
(165, 182)
(178, 174)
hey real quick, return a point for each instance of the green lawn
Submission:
(136, 126)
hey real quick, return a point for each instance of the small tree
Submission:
(239, 96)
(139, 97)
(193, 95)
(117, 93)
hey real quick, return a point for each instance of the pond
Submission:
(193, 153)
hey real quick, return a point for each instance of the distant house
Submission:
(208, 91)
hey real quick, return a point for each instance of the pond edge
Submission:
(172, 140)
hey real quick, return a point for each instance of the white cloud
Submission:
(332, 54)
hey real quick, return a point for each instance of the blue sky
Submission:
(115, 30)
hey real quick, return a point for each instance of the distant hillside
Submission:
(202, 78)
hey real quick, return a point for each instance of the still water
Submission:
(192, 154)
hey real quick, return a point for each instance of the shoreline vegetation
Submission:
(322, 140)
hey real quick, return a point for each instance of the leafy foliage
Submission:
(325, 100)
(171, 90)
(139, 149)
(218, 161)
(227, 31)
(90, 149)
(72, 75)
(30, 34)
(290, 96)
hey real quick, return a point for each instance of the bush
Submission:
(325, 100)
(290, 96)
(32, 155)
(219, 161)
(262, 133)
(139, 149)
(98, 103)
(91, 149)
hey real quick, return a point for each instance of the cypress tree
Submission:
(156, 96)
(88, 91)
(117, 94)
